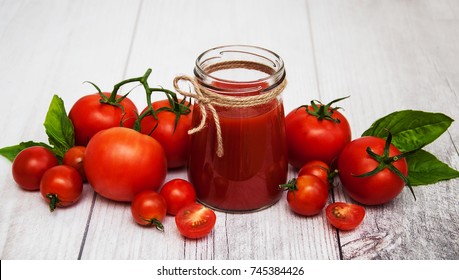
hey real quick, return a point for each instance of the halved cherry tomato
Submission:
(148, 209)
(195, 220)
(317, 168)
(345, 216)
(178, 193)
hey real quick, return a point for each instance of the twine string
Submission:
(207, 100)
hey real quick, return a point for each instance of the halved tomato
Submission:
(345, 216)
(195, 220)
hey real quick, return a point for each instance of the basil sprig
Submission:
(59, 129)
(412, 130)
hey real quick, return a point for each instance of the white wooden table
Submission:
(388, 55)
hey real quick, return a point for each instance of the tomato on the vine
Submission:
(121, 162)
(30, 164)
(102, 110)
(195, 220)
(345, 216)
(61, 186)
(178, 193)
(316, 132)
(170, 129)
(307, 194)
(317, 168)
(148, 208)
(90, 114)
(74, 157)
(372, 171)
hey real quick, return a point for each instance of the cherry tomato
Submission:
(317, 168)
(121, 162)
(378, 188)
(315, 135)
(30, 164)
(345, 216)
(61, 186)
(173, 136)
(90, 116)
(307, 195)
(74, 157)
(148, 208)
(178, 193)
(195, 220)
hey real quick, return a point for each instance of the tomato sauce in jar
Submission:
(247, 176)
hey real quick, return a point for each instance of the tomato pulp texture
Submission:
(254, 163)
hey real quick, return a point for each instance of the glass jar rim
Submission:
(240, 56)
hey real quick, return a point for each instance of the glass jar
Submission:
(254, 161)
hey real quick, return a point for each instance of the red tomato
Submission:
(61, 186)
(148, 209)
(178, 193)
(345, 216)
(317, 168)
(195, 220)
(376, 189)
(121, 162)
(307, 195)
(29, 166)
(174, 139)
(74, 157)
(311, 137)
(90, 116)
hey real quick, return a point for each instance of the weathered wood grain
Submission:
(46, 48)
(170, 45)
(394, 55)
(388, 55)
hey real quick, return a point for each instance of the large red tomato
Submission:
(171, 130)
(316, 132)
(374, 189)
(121, 162)
(89, 115)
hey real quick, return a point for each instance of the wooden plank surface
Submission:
(391, 55)
(388, 55)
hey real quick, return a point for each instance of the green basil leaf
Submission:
(59, 127)
(11, 152)
(410, 129)
(424, 168)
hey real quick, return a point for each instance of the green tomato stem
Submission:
(53, 201)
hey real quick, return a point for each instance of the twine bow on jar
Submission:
(207, 100)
